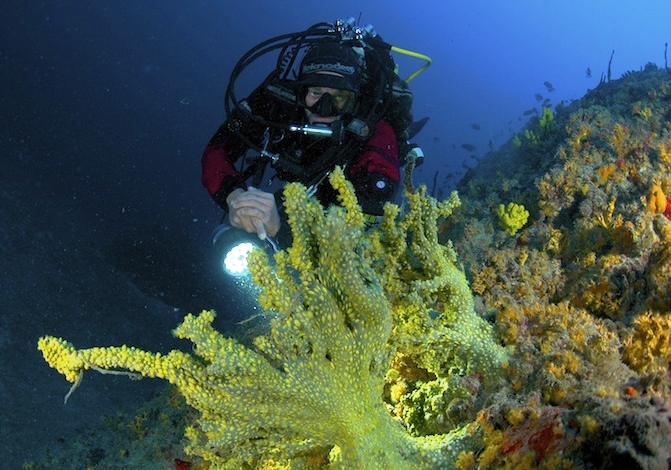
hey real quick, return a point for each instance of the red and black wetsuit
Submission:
(372, 166)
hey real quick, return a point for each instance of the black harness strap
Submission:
(313, 172)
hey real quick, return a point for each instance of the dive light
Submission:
(234, 245)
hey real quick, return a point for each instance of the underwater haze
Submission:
(105, 229)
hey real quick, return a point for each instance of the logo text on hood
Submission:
(337, 67)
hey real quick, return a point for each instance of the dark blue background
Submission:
(138, 89)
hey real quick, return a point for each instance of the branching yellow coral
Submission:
(547, 120)
(619, 140)
(647, 347)
(346, 300)
(578, 136)
(664, 149)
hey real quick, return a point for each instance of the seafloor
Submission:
(579, 293)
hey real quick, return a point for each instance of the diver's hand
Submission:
(254, 211)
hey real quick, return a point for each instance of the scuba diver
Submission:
(333, 98)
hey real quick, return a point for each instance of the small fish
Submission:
(549, 86)
(475, 126)
(538, 97)
(588, 72)
(529, 112)
(469, 147)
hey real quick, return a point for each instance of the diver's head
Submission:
(329, 80)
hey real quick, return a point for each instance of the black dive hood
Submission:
(284, 84)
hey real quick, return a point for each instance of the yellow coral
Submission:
(61, 356)
(531, 137)
(578, 137)
(643, 111)
(547, 119)
(619, 139)
(465, 460)
(512, 217)
(516, 416)
(647, 346)
(346, 299)
(605, 172)
(656, 200)
(664, 149)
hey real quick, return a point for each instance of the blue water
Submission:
(106, 107)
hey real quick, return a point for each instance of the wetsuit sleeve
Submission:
(219, 175)
(376, 173)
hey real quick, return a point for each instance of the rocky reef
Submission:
(581, 292)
